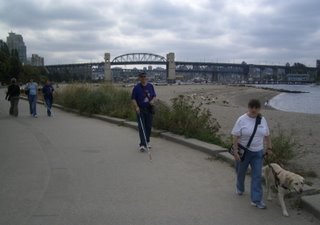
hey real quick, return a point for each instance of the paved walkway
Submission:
(72, 170)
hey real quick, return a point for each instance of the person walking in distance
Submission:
(251, 133)
(32, 90)
(143, 98)
(26, 91)
(47, 92)
(13, 95)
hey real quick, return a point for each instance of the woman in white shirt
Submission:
(242, 132)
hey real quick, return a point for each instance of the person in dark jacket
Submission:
(143, 98)
(13, 95)
(47, 91)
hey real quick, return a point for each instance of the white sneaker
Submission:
(142, 149)
(259, 205)
(239, 192)
(149, 145)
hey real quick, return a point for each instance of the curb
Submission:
(226, 157)
(207, 148)
(310, 202)
(109, 119)
(131, 124)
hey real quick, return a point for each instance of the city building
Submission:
(15, 41)
(36, 60)
(318, 64)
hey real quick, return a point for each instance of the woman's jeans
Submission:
(255, 160)
(33, 104)
(146, 118)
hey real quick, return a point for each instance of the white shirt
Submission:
(244, 129)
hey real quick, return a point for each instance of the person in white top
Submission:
(253, 156)
(32, 89)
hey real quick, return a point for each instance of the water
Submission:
(302, 102)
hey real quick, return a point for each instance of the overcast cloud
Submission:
(255, 31)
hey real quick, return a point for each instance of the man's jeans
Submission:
(146, 117)
(48, 102)
(255, 160)
(33, 104)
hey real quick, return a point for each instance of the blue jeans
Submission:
(255, 160)
(48, 102)
(33, 104)
(146, 118)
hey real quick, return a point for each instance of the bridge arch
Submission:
(139, 58)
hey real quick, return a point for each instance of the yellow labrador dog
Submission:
(284, 181)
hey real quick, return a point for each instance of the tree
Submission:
(4, 62)
(287, 69)
(10, 66)
(3, 71)
(5, 49)
(36, 73)
(246, 69)
(299, 68)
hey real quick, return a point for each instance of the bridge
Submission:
(139, 58)
(210, 70)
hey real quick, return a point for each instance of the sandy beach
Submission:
(227, 103)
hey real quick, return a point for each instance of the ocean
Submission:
(292, 102)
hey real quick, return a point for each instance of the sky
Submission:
(254, 31)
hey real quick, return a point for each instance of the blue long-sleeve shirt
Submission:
(143, 94)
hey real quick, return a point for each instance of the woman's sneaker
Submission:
(259, 205)
(239, 192)
(142, 149)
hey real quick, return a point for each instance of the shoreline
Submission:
(281, 90)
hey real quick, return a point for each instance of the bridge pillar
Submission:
(107, 68)
(171, 68)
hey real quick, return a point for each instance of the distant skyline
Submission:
(255, 31)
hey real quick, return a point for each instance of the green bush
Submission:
(105, 100)
(284, 146)
(162, 117)
(186, 118)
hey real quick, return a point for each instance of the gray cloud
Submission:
(251, 30)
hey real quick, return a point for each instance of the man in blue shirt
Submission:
(143, 98)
